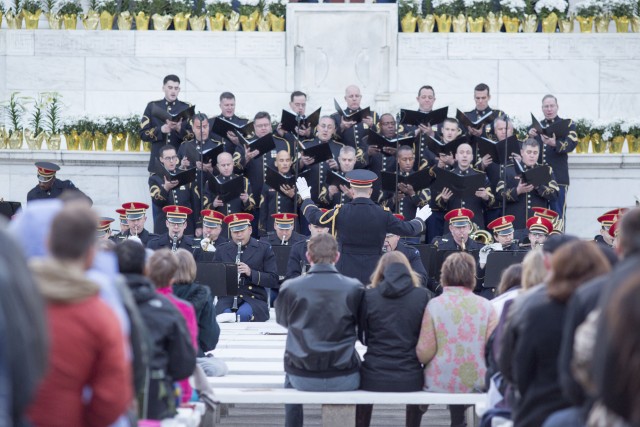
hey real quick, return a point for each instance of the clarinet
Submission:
(234, 308)
(174, 246)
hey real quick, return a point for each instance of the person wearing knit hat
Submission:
(360, 226)
(49, 187)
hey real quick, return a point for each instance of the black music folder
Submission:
(377, 140)
(416, 118)
(477, 124)
(437, 146)
(560, 128)
(9, 209)
(228, 190)
(220, 277)
(274, 179)
(418, 180)
(209, 155)
(356, 116)
(290, 121)
(183, 177)
(335, 178)
(460, 185)
(539, 175)
(496, 149)
(320, 152)
(165, 115)
(221, 126)
(264, 144)
(282, 258)
(497, 262)
(441, 255)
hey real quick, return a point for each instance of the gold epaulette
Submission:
(330, 217)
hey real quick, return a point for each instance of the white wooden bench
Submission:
(339, 408)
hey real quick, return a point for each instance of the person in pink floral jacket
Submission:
(455, 329)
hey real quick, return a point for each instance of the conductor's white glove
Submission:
(484, 254)
(423, 213)
(303, 189)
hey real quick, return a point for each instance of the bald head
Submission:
(225, 164)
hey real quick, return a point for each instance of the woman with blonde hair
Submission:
(454, 355)
(394, 304)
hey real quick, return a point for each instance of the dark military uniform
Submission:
(407, 205)
(58, 187)
(198, 251)
(273, 240)
(256, 169)
(274, 201)
(163, 241)
(297, 264)
(520, 205)
(318, 175)
(234, 205)
(150, 128)
(206, 145)
(413, 255)
(183, 195)
(339, 198)
(264, 274)
(355, 136)
(145, 237)
(360, 227)
(600, 240)
(475, 204)
(475, 114)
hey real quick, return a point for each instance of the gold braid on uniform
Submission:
(330, 217)
(144, 122)
(156, 193)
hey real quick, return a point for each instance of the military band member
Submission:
(298, 106)
(406, 201)
(333, 195)
(481, 96)
(49, 187)
(360, 226)
(392, 243)
(350, 132)
(277, 200)
(539, 230)
(257, 268)
(606, 221)
(122, 216)
(425, 157)
(613, 233)
(242, 203)
(481, 200)
(175, 238)
(158, 133)
(212, 236)
(228, 113)
(298, 263)
(385, 159)
(136, 217)
(283, 233)
(503, 233)
(459, 228)
(166, 193)
(103, 231)
(201, 142)
(318, 175)
(255, 166)
(555, 151)
(522, 197)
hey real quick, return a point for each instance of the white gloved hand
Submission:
(484, 254)
(496, 246)
(423, 213)
(303, 189)
(226, 318)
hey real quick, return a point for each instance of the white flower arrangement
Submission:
(513, 8)
(412, 7)
(589, 8)
(545, 8)
(445, 7)
(477, 8)
(620, 8)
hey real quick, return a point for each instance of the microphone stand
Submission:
(397, 192)
(296, 163)
(504, 169)
(201, 180)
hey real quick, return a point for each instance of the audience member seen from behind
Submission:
(540, 321)
(200, 297)
(394, 303)
(508, 288)
(24, 343)
(321, 312)
(87, 346)
(619, 368)
(455, 329)
(172, 355)
(162, 267)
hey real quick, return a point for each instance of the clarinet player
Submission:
(176, 224)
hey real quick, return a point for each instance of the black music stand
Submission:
(282, 259)
(497, 262)
(9, 209)
(220, 277)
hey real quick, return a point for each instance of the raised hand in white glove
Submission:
(484, 254)
(496, 246)
(424, 212)
(303, 189)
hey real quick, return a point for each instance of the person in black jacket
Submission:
(395, 304)
(321, 312)
(49, 187)
(392, 243)
(172, 356)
